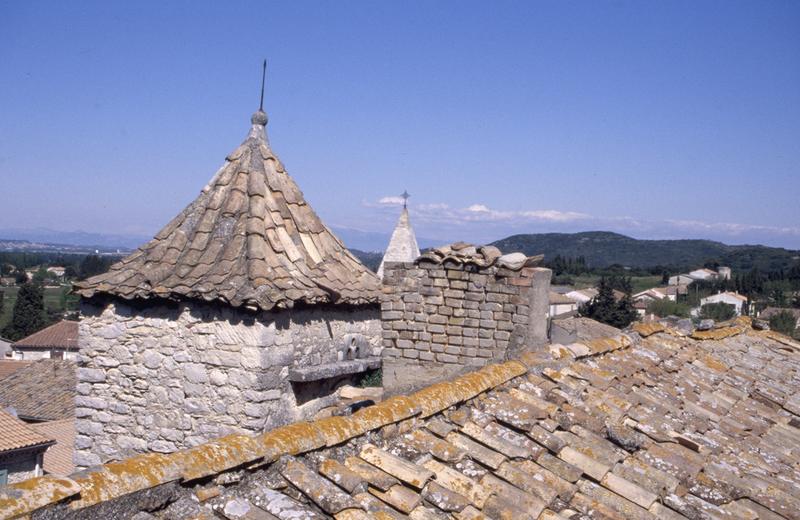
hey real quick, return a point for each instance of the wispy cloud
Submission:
(441, 213)
(733, 228)
(480, 220)
(554, 215)
(390, 201)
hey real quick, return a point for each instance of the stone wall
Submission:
(440, 320)
(161, 377)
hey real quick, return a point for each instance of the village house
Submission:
(704, 274)
(654, 293)
(21, 450)
(244, 313)
(581, 296)
(5, 347)
(681, 279)
(57, 271)
(731, 298)
(41, 396)
(561, 305)
(58, 341)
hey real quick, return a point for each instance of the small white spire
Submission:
(403, 244)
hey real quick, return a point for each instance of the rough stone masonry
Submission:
(165, 377)
(457, 308)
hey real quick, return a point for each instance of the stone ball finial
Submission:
(259, 118)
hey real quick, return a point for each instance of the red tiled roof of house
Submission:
(9, 366)
(58, 458)
(63, 334)
(15, 434)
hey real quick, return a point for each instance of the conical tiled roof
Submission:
(403, 244)
(250, 239)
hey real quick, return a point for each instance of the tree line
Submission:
(76, 266)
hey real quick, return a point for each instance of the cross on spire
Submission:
(405, 196)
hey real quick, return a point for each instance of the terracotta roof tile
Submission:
(250, 239)
(58, 458)
(15, 434)
(63, 334)
(42, 391)
(687, 429)
(9, 366)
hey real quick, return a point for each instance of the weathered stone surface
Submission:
(337, 368)
(472, 311)
(167, 377)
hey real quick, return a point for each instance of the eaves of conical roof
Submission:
(403, 244)
(249, 240)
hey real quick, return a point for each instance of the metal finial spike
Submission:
(263, 77)
(405, 196)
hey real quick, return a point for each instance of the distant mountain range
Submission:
(27, 246)
(103, 242)
(600, 248)
(375, 242)
(603, 248)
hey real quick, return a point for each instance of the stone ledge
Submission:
(339, 368)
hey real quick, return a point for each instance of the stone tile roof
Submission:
(250, 239)
(58, 458)
(15, 434)
(644, 426)
(42, 391)
(9, 366)
(63, 334)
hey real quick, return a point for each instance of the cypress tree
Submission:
(27, 315)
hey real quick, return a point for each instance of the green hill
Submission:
(370, 259)
(603, 248)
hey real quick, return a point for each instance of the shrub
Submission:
(371, 378)
(666, 307)
(717, 311)
(783, 322)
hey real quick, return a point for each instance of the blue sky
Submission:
(654, 119)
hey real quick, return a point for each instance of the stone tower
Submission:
(197, 333)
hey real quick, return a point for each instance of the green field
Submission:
(53, 301)
(639, 283)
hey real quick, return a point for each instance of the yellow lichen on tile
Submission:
(115, 479)
(717, 334)
(295, 438)
(392, 410)
(648, 329)
(29, 495)
(435, 398)
(217, 456)
(338, 429)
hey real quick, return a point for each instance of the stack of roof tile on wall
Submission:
(657, 425)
